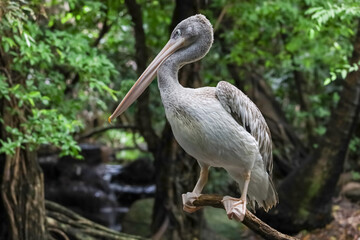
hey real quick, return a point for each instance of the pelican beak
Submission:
(147, 76)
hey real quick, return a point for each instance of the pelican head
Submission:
(190, 41)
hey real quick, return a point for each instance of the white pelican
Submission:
(219, 126)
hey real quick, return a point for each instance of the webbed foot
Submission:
(235, 208)
(188, 200)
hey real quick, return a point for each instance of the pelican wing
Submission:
(245, 112)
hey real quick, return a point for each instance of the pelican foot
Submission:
(188, 200)
(235, 208)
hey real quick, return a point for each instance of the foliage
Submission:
(52, 73)
(66, 80)
(128, 145)
(71, 70)
(345, 12)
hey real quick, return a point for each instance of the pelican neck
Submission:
(168, 76)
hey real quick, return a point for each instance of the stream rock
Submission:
(134, 181)
(139, 172)
(351, 191)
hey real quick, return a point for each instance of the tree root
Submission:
(250, 220)
(65, 224)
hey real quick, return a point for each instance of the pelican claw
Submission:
(235, 208)
(188, 200)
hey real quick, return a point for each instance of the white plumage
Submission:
(208, 123)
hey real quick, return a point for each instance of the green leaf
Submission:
(28, 39)
(31, 101)
(343, 73)
(321, 130)
(327, 81)
(311, 33)
(15, 88)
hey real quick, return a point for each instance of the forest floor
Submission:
(345, 224)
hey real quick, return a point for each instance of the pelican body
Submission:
(219, 127)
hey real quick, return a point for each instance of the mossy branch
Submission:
(250, 220)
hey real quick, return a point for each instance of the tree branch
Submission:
(250, 220)
(221, 16)
(104, 29)
(104, 129)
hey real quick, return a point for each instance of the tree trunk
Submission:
(4, 225)
(143, 113)
(306, 195)
(22, 187)
(175, 174)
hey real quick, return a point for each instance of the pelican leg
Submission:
(234, 207)
(189, 197)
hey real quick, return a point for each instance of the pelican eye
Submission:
(177, 33)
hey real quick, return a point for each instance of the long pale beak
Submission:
(147, 76)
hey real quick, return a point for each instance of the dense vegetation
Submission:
(64, 65)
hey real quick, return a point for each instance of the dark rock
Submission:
(78, 194)
(141, 171)
(351, 190)
(127, 194)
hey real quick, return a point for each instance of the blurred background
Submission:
(65, 65)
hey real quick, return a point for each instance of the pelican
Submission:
(218, 126)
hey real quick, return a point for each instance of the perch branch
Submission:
(250, 220)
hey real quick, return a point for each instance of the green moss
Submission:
(138, 220)
(303, 213)
(314, 186)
